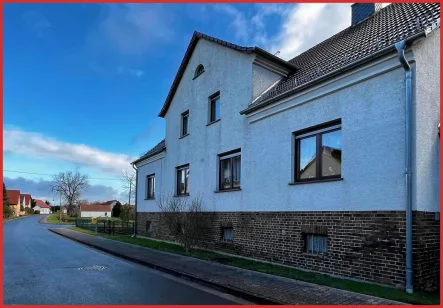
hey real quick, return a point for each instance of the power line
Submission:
(46, 174)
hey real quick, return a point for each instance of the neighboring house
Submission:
(42, 207)
(304, 161)
(95, 210)
(26, 200)
(64, 209)
(14, 201)
(111, 203)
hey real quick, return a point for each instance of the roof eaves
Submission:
(341, 70)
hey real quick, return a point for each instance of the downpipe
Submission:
(135, 205)
(400, 46)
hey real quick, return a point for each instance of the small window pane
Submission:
(181, 182)
(225, 172)
(316, 244)
(331, 153)
(185, 124)
(215, 109)
(308, 160)
(236, 170)
(227, 234)
(187, 180)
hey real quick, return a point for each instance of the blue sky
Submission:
(83, 83)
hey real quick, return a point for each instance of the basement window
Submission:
(316, 244)
(227, 234)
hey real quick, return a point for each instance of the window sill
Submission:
(210, 123)
(149, 198)
(320, 255)
(185, 195)
(198, 75)
(317, 181)
(227, 190)
(183, 136)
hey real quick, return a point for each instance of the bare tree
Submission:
(70, 186)
(128, 179)
(186, 219)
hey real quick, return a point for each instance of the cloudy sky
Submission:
(83, 83)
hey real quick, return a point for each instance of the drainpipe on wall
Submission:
(408, 162)
(135, 206)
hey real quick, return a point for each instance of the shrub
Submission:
(185, 218)
(29, 211)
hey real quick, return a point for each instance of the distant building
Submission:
(42, 207)
(95, 210)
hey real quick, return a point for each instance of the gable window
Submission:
(183, 180)
(199, 70)
(214, 107)
(185, 124)
(230, 170)
(318, 153)
(150, 186)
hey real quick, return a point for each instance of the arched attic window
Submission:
(199, 70)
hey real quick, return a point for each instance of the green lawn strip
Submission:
(282, 271)
(53, 219)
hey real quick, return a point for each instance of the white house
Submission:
(95, 210)
(305, 161)
(42, 207)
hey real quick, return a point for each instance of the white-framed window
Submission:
(316, 244)
(150, 186)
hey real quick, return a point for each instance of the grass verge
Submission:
(422, 298)
(53, 219)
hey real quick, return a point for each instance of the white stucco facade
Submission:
(95, 214)
(370, 101)
(43, 210)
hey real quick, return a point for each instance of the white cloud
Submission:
(37, 23)
(134, 29)
(238, 20)
(308, 24)
(36, 145)
(130, 71)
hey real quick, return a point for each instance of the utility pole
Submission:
(60, 207)
(130, 189)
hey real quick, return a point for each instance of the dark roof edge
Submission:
(148, 156)
(274, 58)
(198, 35)
(339, 71)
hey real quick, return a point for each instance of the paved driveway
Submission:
(40, 267)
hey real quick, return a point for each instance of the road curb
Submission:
(16, 219)
(233, 291)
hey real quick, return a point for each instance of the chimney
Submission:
(361, 11)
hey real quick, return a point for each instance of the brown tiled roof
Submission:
(388, 26)
(160, 147)
(198, 35)
(13, 196)
(95, 208)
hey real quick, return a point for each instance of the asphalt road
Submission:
(40, 267)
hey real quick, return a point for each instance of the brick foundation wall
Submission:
(363, 245)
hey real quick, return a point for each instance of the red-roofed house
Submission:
(14, 200)
(95, 210)
(25, 200)
(42, 207)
